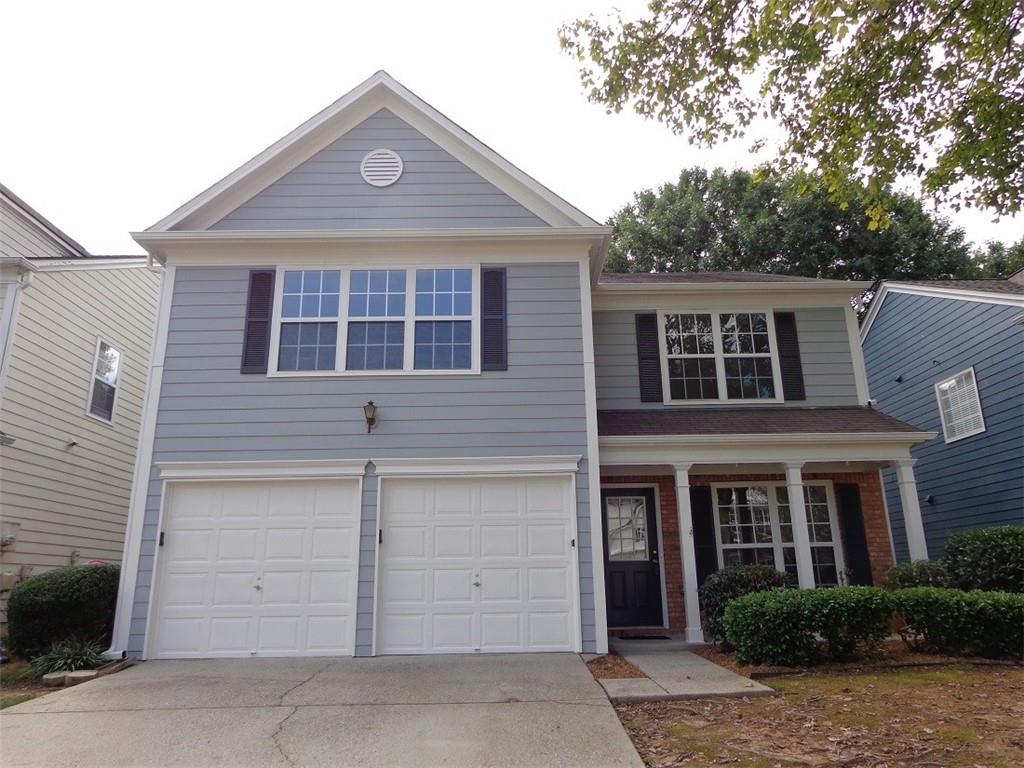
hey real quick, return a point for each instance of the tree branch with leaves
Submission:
(867, 92)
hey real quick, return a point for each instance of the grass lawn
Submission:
(18, 684)
(960, 717)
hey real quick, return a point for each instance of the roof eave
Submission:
(790, 438)
(847, 288)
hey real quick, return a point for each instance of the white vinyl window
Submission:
(960, 406)
(103, 386)
(719, 356)
(375, 321)
(753, 527)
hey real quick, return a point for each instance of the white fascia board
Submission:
(378, 92)
(496, 466)
(262, 470)
(78, 265)
(758, 449)
(20, 264)
(724, 295)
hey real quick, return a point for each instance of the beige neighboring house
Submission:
(75, 335)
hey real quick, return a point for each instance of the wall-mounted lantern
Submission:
(370, 412)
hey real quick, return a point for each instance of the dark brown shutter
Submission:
(703, 531)
(493, 320)
(789, 356)
(258, 311)
(648, 358)
(851, 528)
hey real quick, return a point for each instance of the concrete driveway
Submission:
(523, 710)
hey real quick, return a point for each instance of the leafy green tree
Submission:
(867, 91)
(781, 223)
(1000, 260)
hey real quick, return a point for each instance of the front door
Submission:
(632, 562)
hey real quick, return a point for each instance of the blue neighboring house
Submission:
(948, 356)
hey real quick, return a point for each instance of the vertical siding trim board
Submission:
(143, 470)
(790, 367)
(259, 312)
(648, 353)
(8, 321)
(493, 319)
(593, 466)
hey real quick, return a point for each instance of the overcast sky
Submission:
(114, 114)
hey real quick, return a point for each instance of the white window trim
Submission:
(92, 381)
(343, 321)
(977, 402)
(773, 507)
(720, 357)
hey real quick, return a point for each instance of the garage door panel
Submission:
(473, 587)
(273, 572)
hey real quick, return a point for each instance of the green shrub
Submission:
(987, 558)
(66, 603)
(774, 627)
(68, 656)
(852, 620)
(726, 585)
(920, 573)
(989, 624)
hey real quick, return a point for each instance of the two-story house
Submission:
(948, 355)
(75, 333)
(395, 408)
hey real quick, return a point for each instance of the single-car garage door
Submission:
(257, 569)
(477, 565)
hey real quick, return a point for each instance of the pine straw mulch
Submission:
(17, 684)
(892, 654)
(613, 667)
(951, 717)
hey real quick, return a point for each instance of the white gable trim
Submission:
(381, 91)
(938, 292)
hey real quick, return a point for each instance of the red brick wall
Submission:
(876, 524)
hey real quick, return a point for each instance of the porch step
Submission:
(624, 645)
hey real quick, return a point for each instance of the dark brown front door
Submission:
(632, 564)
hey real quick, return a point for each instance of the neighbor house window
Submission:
(105, 373)
(960, 406)
(754, 527)
(364, 320)
(719, 356)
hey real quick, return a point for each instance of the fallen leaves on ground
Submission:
(950, 717)
(613, 667)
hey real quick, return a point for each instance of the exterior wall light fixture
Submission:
(370, 412)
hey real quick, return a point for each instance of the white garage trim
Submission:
(199, 473)
(513, 465)
(261, 470)
(481, 468)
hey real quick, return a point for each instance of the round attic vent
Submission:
(381, 167)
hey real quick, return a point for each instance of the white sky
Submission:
(113, 114)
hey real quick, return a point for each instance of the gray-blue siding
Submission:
(977, 481)
(210, 412)
(435, 190)
(824, 353)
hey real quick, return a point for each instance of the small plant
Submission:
(68, 656)
(920, 573)
(987, 558)
(989, 624)
(775, 627)
(723, 586)
(77, 601)
(852, 620)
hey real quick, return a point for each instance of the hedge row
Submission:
(724, 586)
(790, 627)
(990, 559)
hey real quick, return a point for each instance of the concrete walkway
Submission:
(674, 673)
(515, 710)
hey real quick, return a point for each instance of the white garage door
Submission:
(470, 565)
(257, 569)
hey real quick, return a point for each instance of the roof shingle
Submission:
(748, 421)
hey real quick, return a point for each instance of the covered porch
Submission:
(797, 489)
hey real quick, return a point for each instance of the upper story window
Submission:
(103, 388)
(719, 356)
(384, 320)
(960, 406)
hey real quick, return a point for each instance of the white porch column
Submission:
(912, 522)
(798, 516)
(688, 552)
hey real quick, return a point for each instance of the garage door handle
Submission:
(257, 587)
(476, 583)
